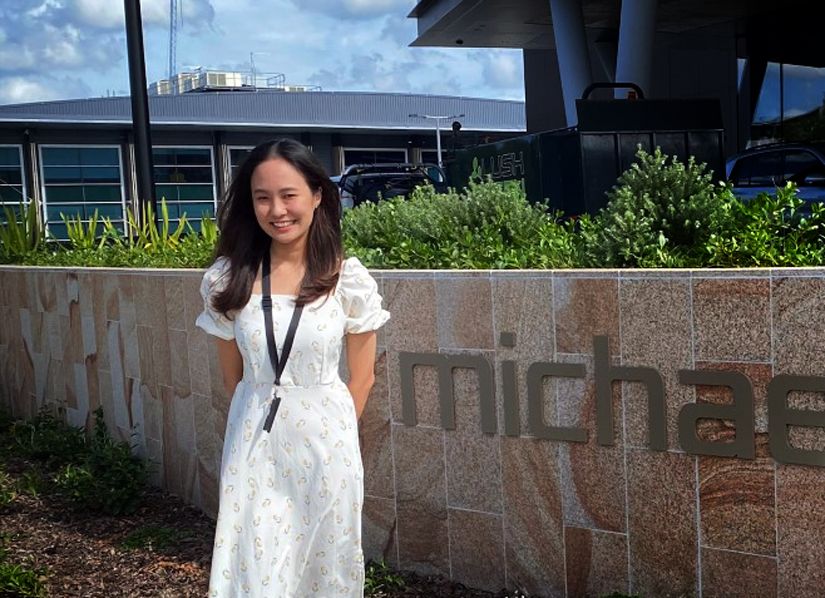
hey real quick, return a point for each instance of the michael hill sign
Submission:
(740, 411)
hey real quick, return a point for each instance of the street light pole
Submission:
(437, 120)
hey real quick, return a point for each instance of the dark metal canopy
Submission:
(786, 31)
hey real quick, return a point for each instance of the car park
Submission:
(361, 183)
(762, 169)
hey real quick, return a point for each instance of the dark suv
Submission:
(371, 182)
(766, 167)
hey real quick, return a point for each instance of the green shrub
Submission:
(108, 479)
(47, 439)
(770, 231)
(488, 225)
(20, 233)
(8, 491)
(661, 213)
(17, 580)
(380, 579)
(20, 581)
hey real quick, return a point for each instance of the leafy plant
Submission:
(20, 581)
(48, 439)
(20, 232)
(17, 580)
(660, 214)
(145, 233)
(8, 491)
(488, 225)
(778, 230)
(380, 579)
(108, 479)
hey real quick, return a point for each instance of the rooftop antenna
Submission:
(174, 18)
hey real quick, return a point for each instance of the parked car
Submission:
(762, 169)
(371, 182)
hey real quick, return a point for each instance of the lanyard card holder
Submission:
(278, 365)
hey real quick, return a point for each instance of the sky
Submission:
(60, 49)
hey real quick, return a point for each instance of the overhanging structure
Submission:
(671, 48)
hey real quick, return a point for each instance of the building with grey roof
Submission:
(76, 156)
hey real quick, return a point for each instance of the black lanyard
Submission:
(278, 365)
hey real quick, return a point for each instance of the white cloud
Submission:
(356, 9)
(502, 69)
(19, 89)
(307, 40)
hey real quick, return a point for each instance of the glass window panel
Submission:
(759, 171)
(11, 175)
(113, 211)
(373, 156)
(194, 157)
(238, 155)
(9, 156)
(54, 213)
(167, 192)
(57, 230)
(99, 156)
(804, 169)
(196, 211)
(163, 156)
(61, 156)
(186, 174)
(61, 174)
(100, 174)
(11, 194)
(94, 193)
(61, 194)
(190, 192)
(804, 89)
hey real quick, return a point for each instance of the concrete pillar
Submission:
(543, 100)
(637, 32)
(571, 48)
(337, 159)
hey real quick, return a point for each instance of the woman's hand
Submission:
(231, 362)
(361, 363)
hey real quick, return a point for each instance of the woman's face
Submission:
(284, 204)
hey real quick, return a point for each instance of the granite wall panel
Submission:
(491, 510)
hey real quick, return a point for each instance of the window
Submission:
(430, 156)
(761, 170)
(237, 155)
(77, 180)
(373, 156)
(185, 179)
(803, 168)
(12, 182)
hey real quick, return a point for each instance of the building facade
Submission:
(76, 157)
(761, 59)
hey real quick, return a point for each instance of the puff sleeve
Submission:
(211, 321)
(358, 293)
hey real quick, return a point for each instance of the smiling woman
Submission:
(281, 301)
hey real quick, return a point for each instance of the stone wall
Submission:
(491, 510)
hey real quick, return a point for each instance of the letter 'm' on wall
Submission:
(780, 416)
(606, 374)
(535, 400)
(445, 364)
(740, 411)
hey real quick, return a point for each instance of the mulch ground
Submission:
(84, 555)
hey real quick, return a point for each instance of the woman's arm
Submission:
(361, 364)
(229, 357)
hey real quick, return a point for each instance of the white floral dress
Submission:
(289, 522)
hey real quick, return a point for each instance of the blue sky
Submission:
(56, 49)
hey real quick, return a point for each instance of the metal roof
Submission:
(306, 110)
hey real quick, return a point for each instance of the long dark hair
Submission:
(243, 241)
